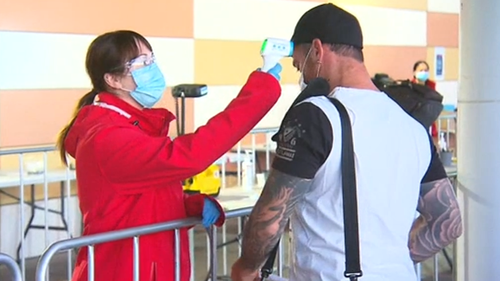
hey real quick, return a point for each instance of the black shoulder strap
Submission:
(351, 231)
(349, 196)
(267, 269)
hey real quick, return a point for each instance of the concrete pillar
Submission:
(478, 251)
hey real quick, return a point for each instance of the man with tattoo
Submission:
(396, 173)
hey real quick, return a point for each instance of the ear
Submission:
(112, 81)
(317, 50)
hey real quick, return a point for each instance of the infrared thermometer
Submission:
(273, 50)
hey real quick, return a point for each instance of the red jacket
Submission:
(431, 84)
(129, 174)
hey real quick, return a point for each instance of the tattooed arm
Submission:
(304, 142)
(440, 222)
(270, 215)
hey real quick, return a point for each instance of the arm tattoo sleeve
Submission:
(440, 222)
(270, 215)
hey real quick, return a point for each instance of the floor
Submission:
(58, 267)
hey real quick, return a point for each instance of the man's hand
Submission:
(240, 273)
(440, 222)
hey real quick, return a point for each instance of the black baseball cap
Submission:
(330, 24)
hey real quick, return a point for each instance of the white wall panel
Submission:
(57, 61)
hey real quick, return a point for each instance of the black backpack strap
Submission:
(351, 231)
(267, 269)
(350, 200)
(316, 87)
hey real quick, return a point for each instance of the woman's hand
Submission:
(210, 213)
(274, 71)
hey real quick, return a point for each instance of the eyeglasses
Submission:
(140, 61)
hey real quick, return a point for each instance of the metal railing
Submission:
(252, 150)
(12, 266)
(32, 173)
(91, 240)
(450, 120)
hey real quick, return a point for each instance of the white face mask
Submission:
(302, 83)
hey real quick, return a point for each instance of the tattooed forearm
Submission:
(440, 222)
(270, 215)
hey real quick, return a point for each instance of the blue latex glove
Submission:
(210, 213)
(275, 71)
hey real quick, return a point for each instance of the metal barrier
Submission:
(91, 240)
(32, 173)
(252, 149)
(448, 119)
(12, 266)
(135, 233)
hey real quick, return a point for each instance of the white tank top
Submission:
(392, 154)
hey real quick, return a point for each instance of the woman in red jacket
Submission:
(129, 171)
(421, 76)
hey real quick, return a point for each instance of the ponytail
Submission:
(87, 99)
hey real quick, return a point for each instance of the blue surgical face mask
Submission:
(150, 85)
(422, 75)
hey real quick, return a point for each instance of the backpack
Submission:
(421, 102)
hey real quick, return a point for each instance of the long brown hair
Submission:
(108, 53)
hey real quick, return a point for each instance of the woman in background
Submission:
(421, 76)
(129, 171)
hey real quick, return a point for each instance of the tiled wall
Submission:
(217, 42)
(43, 45)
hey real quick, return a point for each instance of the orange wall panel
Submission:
(442, 30)
(34, 117)
(395, 61)
(160, 18)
